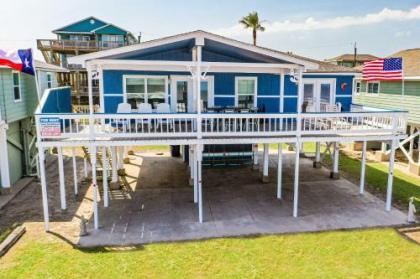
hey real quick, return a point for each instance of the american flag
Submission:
(383, 69)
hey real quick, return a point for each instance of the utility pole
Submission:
(355, 54)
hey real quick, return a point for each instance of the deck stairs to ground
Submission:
(99, 156)
(32, 156)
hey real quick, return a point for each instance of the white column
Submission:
(363, 171)
(41, 156)
(317, 163)
(255, 150)
(95, 188)
(383, 146)
(199, 180)
(85, 167)
(120, 158)
(114, 178)
(265, 162)
(390, 175)
(279, 170)
(4, 160)
(410, 150)
(105, 176)
(296, 182)
(73, 154)
(195, 178)
(334, 173)
(61, 178)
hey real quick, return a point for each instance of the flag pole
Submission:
(403, 77)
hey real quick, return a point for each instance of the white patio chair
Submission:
(122, 123)
(144, 108)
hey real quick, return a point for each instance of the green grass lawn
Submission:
(379, 253)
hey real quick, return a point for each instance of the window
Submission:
(112, 40)
(49, 80)
(204, 95)
(79, 38)
(150, 90)
(325, 95)
(373, 87)
(308, 92)
(16, 87)
(246, 91)
(358, 87)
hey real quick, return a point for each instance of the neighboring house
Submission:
(84, 36)
(402, 95)
(347, 60)
(18, 100)
(197, 89)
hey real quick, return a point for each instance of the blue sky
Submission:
(318, 29)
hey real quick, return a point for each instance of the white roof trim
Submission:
(81, 59)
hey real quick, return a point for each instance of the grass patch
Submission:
(380, 253)
(5, 233)
(151, 148)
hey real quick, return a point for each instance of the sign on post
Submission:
(50, 127)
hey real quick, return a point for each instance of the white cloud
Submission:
(329, 23)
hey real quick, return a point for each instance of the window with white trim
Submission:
(246, 92)
(16, 87)
(152, 90)
(358, 87)
(373, 87)
(49, 80)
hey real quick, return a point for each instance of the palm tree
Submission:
(252, 21)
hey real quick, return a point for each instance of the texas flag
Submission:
(20, 60)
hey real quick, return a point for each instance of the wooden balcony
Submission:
(73, 46)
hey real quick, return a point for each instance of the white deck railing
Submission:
(184, 125)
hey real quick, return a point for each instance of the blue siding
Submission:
(111, 103)
(58, 101)
(290, 105)
(268, 104)
(224, 101)
(290, 88)
(345, 102)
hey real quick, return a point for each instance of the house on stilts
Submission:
(197, 89)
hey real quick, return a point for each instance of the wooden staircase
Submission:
(99, 157)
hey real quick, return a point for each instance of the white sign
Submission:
(50, 127)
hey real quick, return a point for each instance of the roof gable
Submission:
(110, 29)
(87, 25)
(215, 44)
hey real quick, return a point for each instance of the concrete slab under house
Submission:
(211, 96)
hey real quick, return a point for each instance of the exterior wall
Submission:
(390, 97)
(11, 110)
(268, 89)
(42, 80)
(16, 152)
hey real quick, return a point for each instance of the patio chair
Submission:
(122, 123)
(144, 108)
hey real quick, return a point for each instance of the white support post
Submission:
(279, 170)
(61, 178)
(85, 167)
(390, 175)
(4, 160)
(363, 170)
(120, 158)
(114, 178)
(95, 188)
(191, 164)
(317, 163)
(195, 178)
(265, 163)
(255, 151)
(76, 187)
(41, 156)
(410, 150)
(105, 176)
(334, 173)
(296, 181)
(200, 183)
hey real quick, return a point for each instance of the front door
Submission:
(317, 92)
(181, 94)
